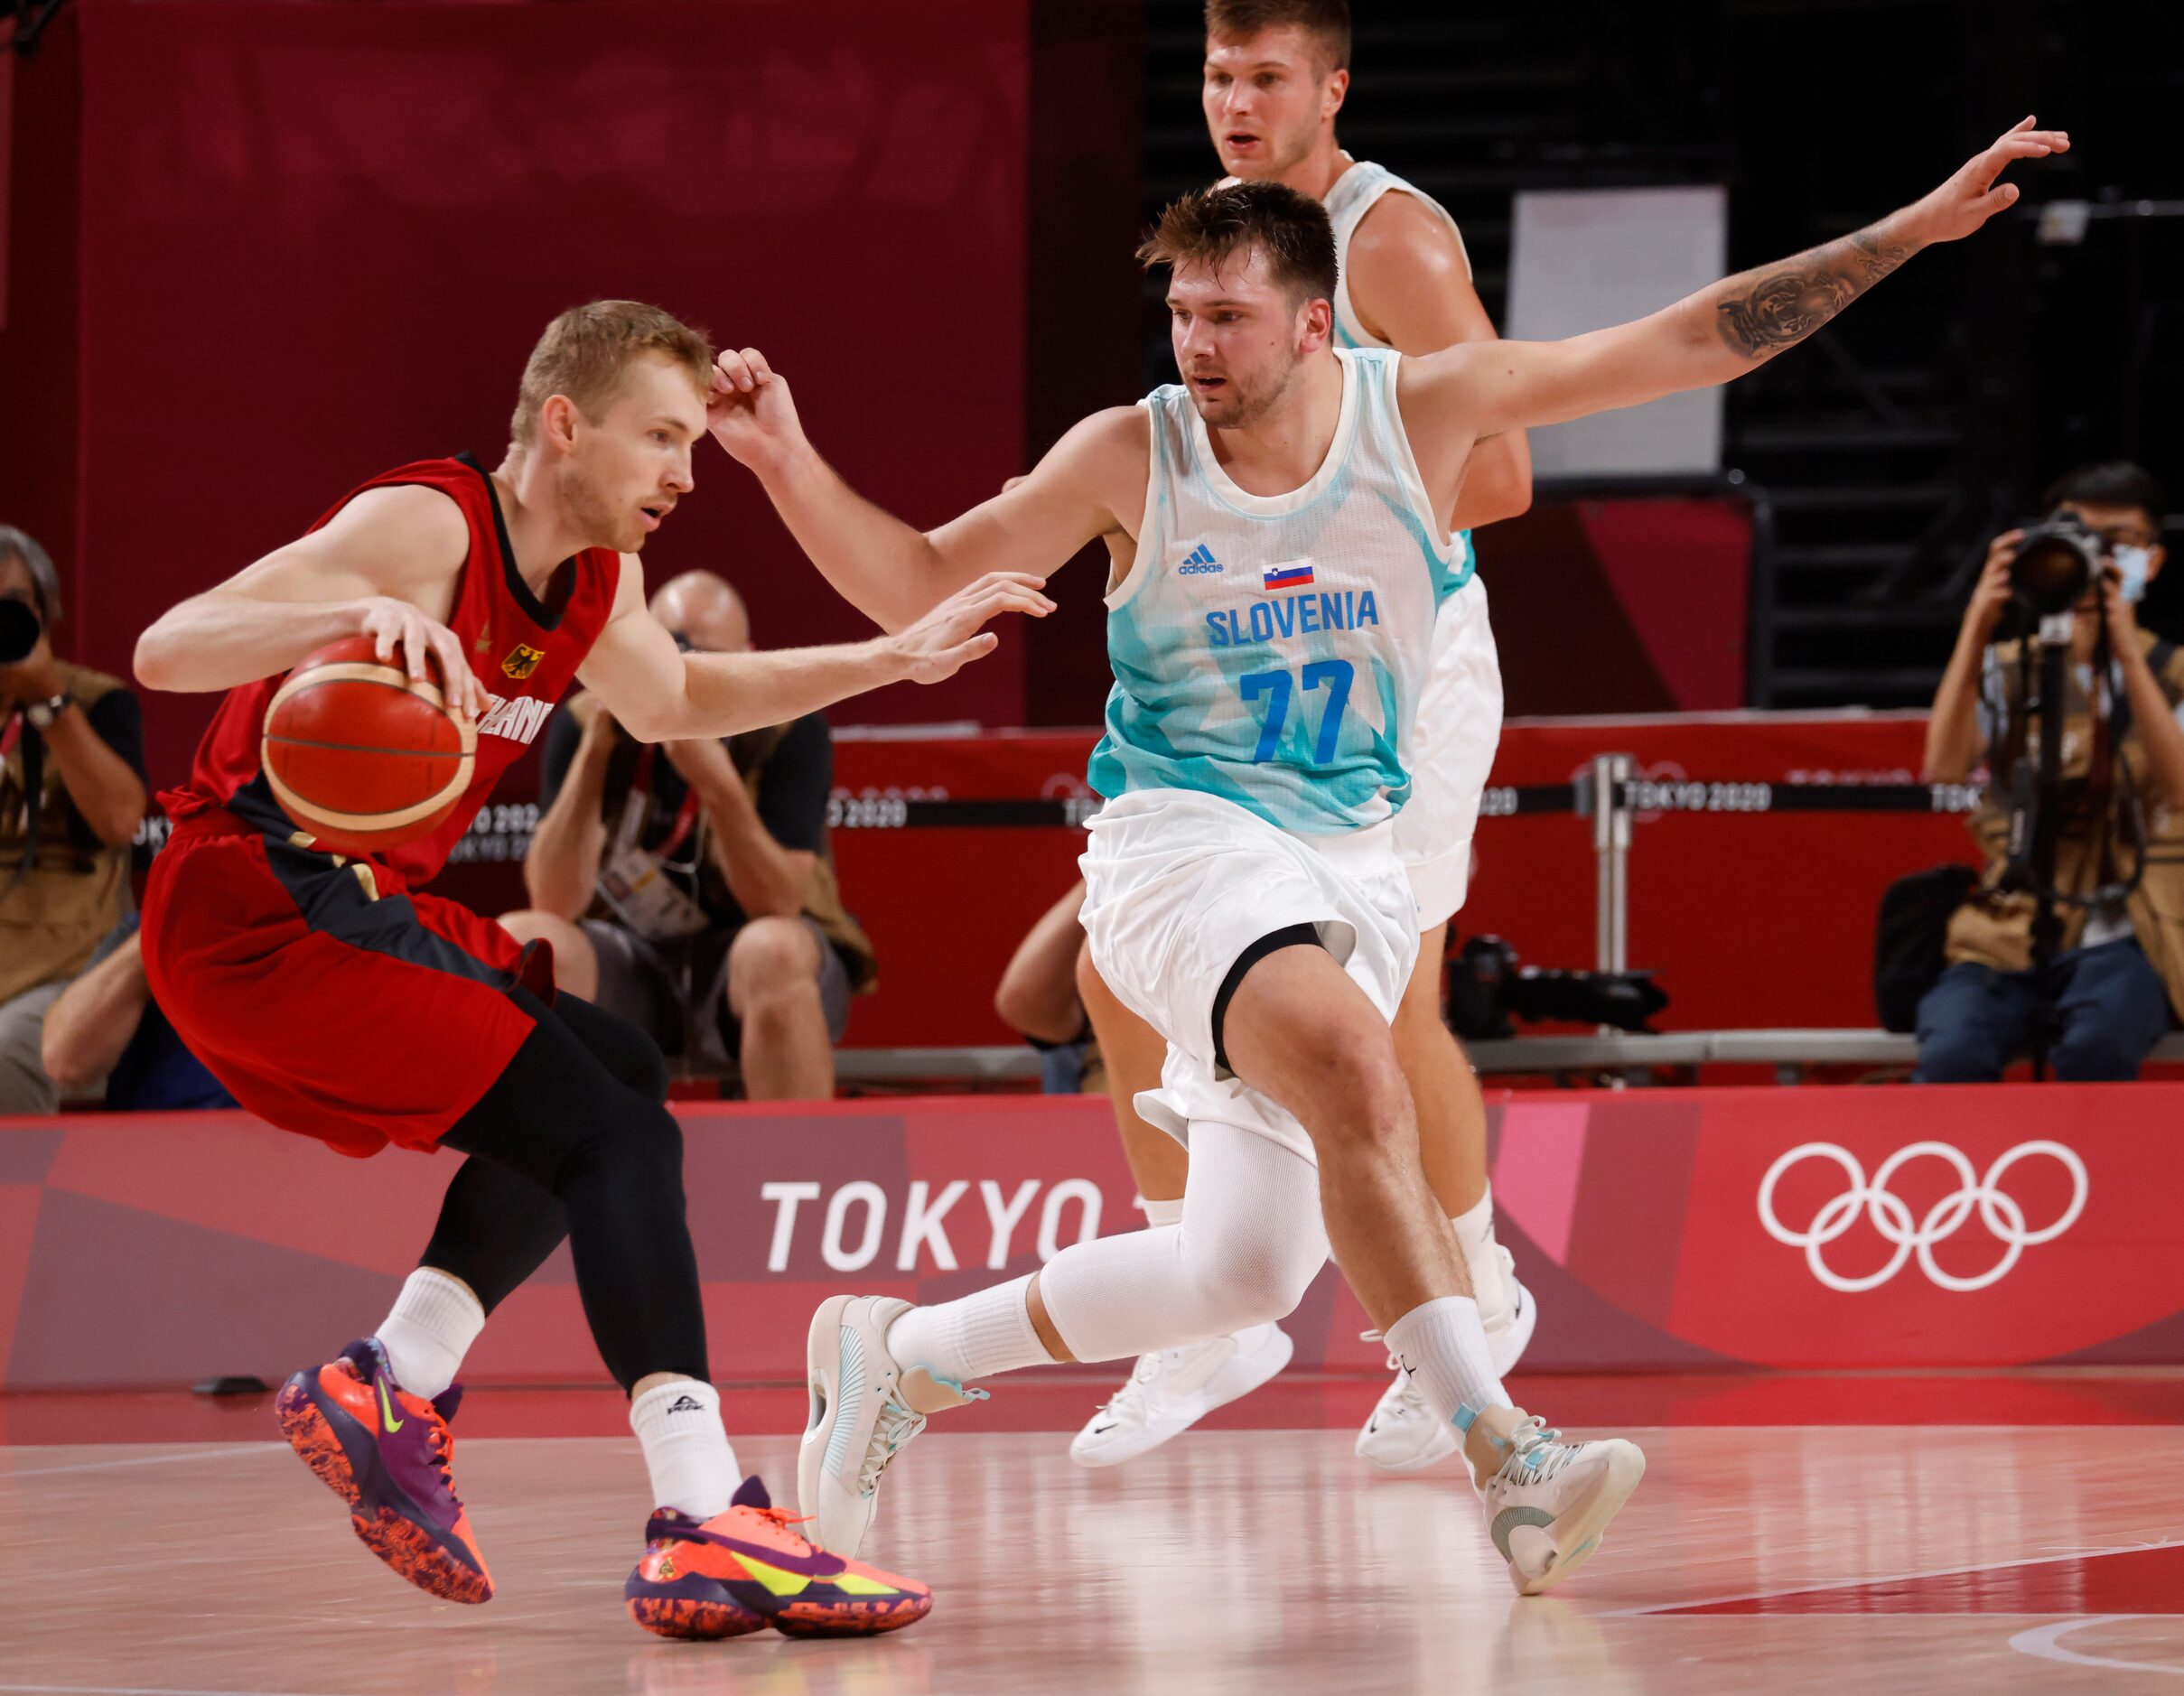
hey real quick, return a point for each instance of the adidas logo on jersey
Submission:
(1201, 564)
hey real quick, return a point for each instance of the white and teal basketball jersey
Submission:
(1355, 192)
(1270, 649)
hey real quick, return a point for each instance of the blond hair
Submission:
(585, 351)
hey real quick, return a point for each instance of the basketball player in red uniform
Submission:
(334, 1001)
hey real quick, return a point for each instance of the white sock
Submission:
(1444, 1345)
(686, 1448)
(974, 1338)
(1482, 1257)
(1165, 1212)
(434, 1322)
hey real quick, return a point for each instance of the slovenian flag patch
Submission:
(1294, 573)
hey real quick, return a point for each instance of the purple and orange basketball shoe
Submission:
(748, 1568)
(386, 1453)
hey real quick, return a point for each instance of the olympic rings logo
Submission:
(1999, 1212)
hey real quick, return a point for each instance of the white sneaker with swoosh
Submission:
(1169, 1392)
(1404, 1435)
(1549, 1502)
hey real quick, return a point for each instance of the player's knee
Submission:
(771, 958)
(1238, 1283)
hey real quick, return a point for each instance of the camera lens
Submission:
(19, 629)
(2054, 567)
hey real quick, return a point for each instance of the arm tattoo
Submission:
(1787, 304)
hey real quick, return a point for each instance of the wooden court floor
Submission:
(1832, 1558)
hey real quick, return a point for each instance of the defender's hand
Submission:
(750, 410)
(1970, 197)
(1991, 595)
(396, 625)
(950, 637)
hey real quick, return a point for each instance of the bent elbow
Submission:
(66, 1063)
(154, 659)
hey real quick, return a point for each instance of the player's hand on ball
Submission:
(398, 627)
(750, 410)
(953, 633)
(1970, 197)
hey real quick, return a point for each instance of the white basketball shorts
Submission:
(1452, 755)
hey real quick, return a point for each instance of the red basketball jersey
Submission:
(524, 650)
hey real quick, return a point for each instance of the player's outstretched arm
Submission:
(659, 694)
(1720, 333)
(889, 571)
(352, 578)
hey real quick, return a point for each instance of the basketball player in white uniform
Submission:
(1244, 894)
(1275, 75)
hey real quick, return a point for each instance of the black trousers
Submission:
(575, 1140)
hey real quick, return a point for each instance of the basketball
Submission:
(362, 756)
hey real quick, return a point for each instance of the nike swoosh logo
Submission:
(818, 1565)
(386, 1411)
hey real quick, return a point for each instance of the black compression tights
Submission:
(573, 1140)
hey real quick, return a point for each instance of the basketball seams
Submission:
(385, 827)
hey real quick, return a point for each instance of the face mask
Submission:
(2132, 565)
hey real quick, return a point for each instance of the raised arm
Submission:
(1410, 281)
(1091, 482)
(384, 567)
(1712, 337)
(659, 694)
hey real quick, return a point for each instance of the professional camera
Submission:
(1487, 987)
(2056, 563)
(19, 631)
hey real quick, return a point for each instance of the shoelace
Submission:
(894, 1427)
(1409, 1403)
(1536, 1453)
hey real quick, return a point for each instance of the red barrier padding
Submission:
(1900, 1229)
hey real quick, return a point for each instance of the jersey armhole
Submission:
(1450, 574)
(1151, 527)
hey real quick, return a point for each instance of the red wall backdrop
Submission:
(306, 242)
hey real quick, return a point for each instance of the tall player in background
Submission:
(335, 1004)
(1276, 74)
(1243, 892)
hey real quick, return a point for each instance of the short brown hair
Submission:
(584, 352)
(1214, 225)
(1328, 21)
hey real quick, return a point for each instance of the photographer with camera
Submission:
(687, 886)
(71, 796)
(2072, 948)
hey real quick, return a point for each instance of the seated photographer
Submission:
(2090, 985)
(687, 886)
(108, 1032)
(71, 796)
(1038, 999)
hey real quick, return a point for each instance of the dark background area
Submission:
(257, 251)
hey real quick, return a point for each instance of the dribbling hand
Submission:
(951, 635)
(396, 626)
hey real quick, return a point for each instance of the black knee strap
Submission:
(1288, 937)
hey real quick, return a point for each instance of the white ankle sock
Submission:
(1482, 1256)
(432, 1324)
(974, 1338)
(686, 1448)
(1444, 1345)
(1165, 1212)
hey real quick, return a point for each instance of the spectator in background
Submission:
(71, 796)
(1037, 1000)
(687, 886)
(2105, 999)
(107, 1027)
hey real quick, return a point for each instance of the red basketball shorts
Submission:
(327, 1005)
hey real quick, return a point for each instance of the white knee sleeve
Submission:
(1250, 1243)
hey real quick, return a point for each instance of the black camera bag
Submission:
(1909, 938)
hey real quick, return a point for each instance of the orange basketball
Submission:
(359, 754)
